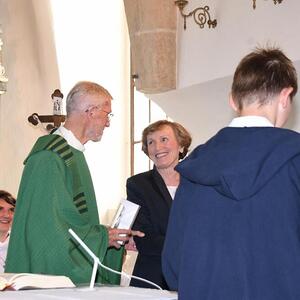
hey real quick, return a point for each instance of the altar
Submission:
(96, 293)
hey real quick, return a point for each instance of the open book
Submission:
(22, 281)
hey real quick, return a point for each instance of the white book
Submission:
(22, 281)
(125, 215)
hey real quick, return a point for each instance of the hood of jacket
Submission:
(238, 162)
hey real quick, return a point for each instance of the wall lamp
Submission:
(2, 87)
(275, 2)
(201, 14)
(3, 78)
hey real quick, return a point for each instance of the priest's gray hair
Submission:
(77, 101)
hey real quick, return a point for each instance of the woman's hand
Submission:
(130, 245)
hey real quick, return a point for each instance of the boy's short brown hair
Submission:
(262, 74)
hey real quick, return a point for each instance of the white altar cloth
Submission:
(99, 292)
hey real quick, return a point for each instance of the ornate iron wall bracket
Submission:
(275, 2)
(201, 15)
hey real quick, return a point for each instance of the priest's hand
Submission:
(118, 237)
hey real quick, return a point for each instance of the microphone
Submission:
(97, 263)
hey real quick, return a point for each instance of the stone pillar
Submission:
(152, 31)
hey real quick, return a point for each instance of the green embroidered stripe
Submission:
(60, 147)
(78, 199)
(81, 207)
(64, 151)
(69, 160)
(81, 203)
(59, 144)
(79, 196)
(83, 210)
(66, 155)
(66, 148)
(53, 141)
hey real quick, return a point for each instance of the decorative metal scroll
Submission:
(201, 15)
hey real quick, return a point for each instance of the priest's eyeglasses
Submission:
(98, 107)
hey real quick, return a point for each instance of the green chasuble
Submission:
(56, 193)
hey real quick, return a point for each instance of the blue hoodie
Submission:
(234, 227)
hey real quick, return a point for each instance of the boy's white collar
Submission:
(250, 121)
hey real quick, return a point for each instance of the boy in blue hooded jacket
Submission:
(234, 227)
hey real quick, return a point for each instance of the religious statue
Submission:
(57, 98)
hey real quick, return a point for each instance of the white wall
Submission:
(206, 54)
(93, 44)
(90, 44)
(207, 59)
(30, 62)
